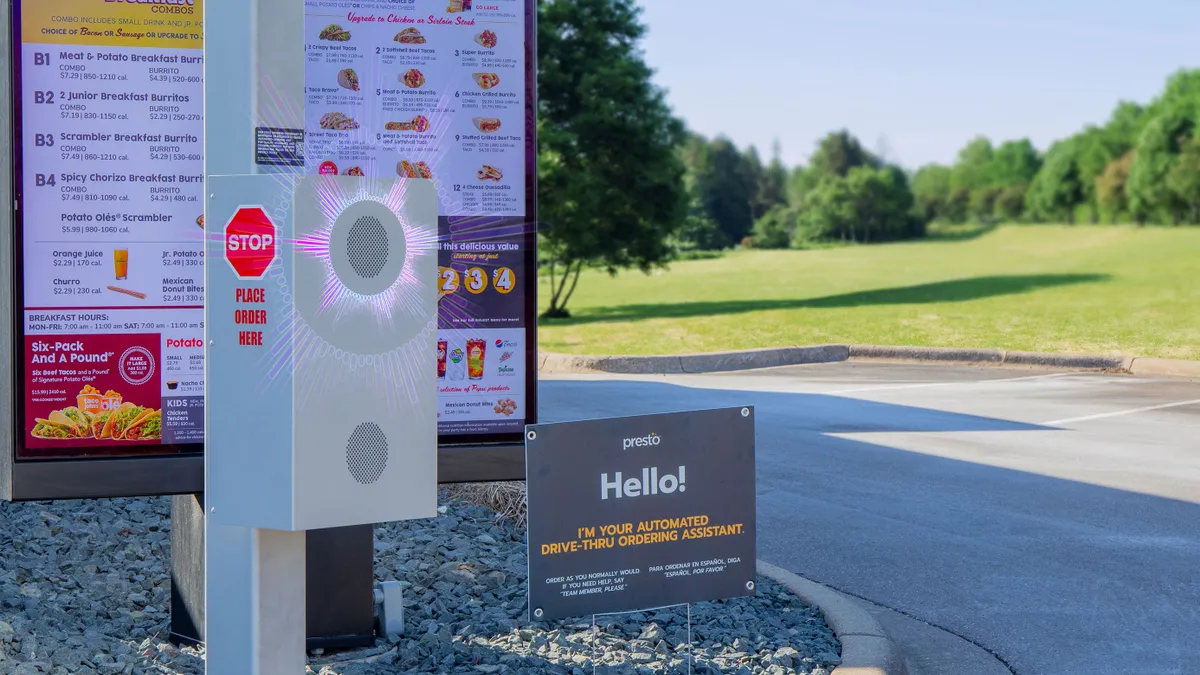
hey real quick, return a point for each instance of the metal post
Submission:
(256, 609)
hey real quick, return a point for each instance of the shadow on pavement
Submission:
(954, 290)
(1053, 575)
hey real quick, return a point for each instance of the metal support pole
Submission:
(255, 609)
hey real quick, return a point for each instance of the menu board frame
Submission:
(179, 468)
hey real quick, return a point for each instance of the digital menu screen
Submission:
(108, 179)
(442, 90)
(109, 183)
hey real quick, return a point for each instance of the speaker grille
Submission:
(367, 453)
(367, 246)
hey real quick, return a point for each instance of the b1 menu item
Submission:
(640, 512)
(110, 213)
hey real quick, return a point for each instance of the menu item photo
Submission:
(413, 78)
(354, 171)
(490, 173)
(334, 33)
(486, 124)
(419, 124)
(486, 80)
(348, 79)
(410, 36)
(337, 121)
(486, 39)
(407, 169)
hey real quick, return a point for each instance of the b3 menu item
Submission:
(475, 352)
(486, 80)
(486, 39)
(413, 78)
(348, 79)
(410, 36)
(486, 124)
(335, 33)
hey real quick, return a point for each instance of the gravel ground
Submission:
(85, 588)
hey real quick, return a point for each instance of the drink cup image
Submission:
(456, 369)
(121, 263)
(475, 354)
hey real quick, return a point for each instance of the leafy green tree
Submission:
(931, 189)
(983, 202)
(610, 179)
(776, 228)
(726, 188)
(838, 153)
(773, 185)
(1183, 179)
(1010, 202)
(1014, 163)
(1158, 147)
(1056, 189)
(973, 168)
(868, 205)
(1110, 187)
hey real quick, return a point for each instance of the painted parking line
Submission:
(924, 385)
(1119, 413)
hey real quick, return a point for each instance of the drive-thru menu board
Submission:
(440, 90)
(109, 180)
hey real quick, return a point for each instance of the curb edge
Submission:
(773, 357)
(867, 649)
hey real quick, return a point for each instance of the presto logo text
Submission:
(650, 483)
(641, 441)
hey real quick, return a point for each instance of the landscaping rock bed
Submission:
(85, 588)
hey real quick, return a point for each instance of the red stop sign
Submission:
(250, 242)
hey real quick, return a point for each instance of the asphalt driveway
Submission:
(1051, 518)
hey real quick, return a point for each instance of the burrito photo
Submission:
(413, 78)
(486, 39)
(486, 124)
(486, 80)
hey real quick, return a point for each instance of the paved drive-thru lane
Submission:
(1052, 518)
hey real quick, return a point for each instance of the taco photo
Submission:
(335, 33)
(410, 36)
(348, 79)
(147, 426)
(338, 122)
(413, 78)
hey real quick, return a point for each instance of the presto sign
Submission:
(673, 523)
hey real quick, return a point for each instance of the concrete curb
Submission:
(867, 649)
(801, 355)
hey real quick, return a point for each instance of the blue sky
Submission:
(917, 78)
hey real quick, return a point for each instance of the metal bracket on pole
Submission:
(390, 598)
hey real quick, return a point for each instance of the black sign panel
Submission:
(640, 512)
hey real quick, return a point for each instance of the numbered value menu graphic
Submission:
(111, 213)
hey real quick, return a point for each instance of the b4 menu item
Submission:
(486, 80)
(475, 353)
(334, 33)
(348, 79)
(410, 36)
(486, 39)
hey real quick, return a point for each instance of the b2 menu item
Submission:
(110, 151)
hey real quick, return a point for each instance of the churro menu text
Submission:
(111, 184)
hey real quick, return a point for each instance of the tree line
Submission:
(622, 183)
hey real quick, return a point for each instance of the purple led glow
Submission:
(335, 296)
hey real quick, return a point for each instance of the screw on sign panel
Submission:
(250, 242)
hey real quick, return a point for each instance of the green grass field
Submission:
(1082, 289)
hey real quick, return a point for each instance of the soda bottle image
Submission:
(441, 373)
(475, 354)
(456, 369)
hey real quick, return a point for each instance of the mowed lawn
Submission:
(1081, 289)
